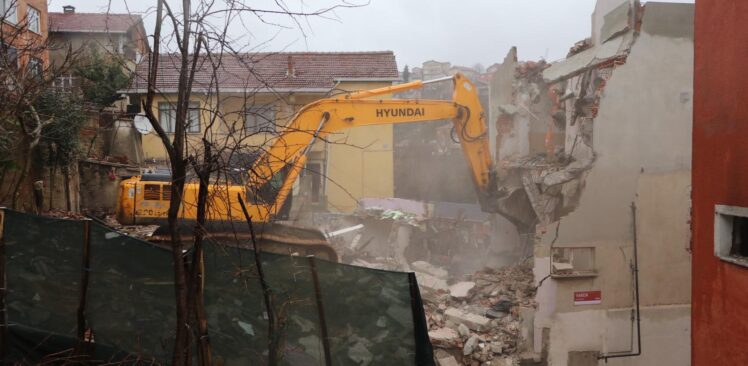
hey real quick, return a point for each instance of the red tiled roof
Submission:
(92, 22)
(256, 71)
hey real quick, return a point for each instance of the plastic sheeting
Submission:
(372, 317)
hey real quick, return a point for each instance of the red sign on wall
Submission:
(588, 297)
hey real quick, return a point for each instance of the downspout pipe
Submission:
(635, 271)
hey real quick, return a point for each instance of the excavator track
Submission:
(272, 238)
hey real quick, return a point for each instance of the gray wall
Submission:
(642, 138)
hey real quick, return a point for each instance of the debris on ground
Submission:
(62, 214)
(136, 231)
(398, 233)
(477, 320)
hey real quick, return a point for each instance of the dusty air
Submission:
(373, 182)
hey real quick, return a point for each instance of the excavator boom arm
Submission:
(146, 200)
(327, 116)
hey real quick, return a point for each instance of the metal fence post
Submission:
(3, 287)
(85, 270)
(320, 311)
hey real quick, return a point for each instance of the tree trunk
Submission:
(38, 188)
(52, 172)
(276, 327)
(182, 347)
(21, 179)
(66, 180)
(197, 292)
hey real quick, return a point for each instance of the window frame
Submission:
(314, 169)
(152, 192)
(4, 48)
(572, 272)
(724, 233)
(256, 111)
(12, 10)
(37, 23)
(171, 109)
(35, 66)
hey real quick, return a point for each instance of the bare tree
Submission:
(198, 35)
(26, 88)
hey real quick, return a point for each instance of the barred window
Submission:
(36, 67)
(166, 193)
(152, 192)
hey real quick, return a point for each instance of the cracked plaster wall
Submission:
(642, 139)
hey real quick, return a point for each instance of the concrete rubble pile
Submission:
(478, 319)
(137, 231)
(392, 233)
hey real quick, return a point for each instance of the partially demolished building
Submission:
(594, 154)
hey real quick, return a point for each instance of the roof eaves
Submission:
(343, 79)
(229, 90)
(105, 31)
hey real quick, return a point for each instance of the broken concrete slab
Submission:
(472, 321)
(593, 56)
(470, 345)
(430, 283)
(447, 361)
(493, 314)
(508, 289)
(443, 335)
(419, 209)
(461, 290)
(463, 330)
(509, 109)
(428, 268)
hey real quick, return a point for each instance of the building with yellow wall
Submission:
(251, 96)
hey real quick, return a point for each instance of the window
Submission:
(259, 118)
(573, 262)
(32, 15)
(315, 174)
(167, 114)
(731, 234)
(166, 193)
(9, 11)
(157, 192)
(9, 57)
(64, 82)
(152, 192)
(35, 67)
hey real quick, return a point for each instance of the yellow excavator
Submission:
(145, 200)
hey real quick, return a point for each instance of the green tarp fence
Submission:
(372, 317)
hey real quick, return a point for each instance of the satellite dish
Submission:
(142, 124)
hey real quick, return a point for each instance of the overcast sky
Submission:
(464, 32)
